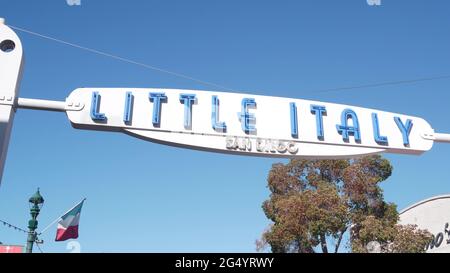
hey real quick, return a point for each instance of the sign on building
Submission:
(11, 249)
(433, 215)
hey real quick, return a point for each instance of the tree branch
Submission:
(336, 248)
(323, 243)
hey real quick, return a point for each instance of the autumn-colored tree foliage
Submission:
(314, 203)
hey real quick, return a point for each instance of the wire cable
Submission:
(95, 51)
(151, 67)
(12, 226)
(382, 84)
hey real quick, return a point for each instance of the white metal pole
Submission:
(36, 104)
(11, 64)
(442, 138)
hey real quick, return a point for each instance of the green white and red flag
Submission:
(68, 224)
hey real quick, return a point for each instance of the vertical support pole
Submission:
(10, 70)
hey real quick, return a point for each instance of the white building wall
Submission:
(431, 214)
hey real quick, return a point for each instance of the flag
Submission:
(68, 224)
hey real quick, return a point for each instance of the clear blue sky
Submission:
(145, 197)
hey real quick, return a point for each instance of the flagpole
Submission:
(57, 219)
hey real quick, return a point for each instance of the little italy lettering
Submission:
(248, 124)
(248, 120)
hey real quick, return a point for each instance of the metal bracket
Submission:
(74, 106)
(6, 99)
(445, 138)
(427, 136)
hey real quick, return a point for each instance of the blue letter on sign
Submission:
(218, 126)
(95, 105)
(382, 140)
(247, 120)
(405, 129)
(128, 106)
(319, 111)
(187, 100)
(294, 120)
(346, 130)
(157, 99)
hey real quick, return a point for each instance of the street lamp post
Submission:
(36, 202)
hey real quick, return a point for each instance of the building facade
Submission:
(432, 214)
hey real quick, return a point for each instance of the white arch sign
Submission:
(244, 124)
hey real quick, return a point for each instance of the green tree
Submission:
(314, 203)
